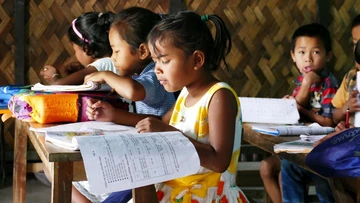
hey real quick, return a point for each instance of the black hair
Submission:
(313, 30)
(189, 32)
(134, 24)
(356, 21)
(94, 28)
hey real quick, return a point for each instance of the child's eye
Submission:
(165, 62)
(316, 52)
(301, 52)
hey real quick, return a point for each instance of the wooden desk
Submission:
(64, 165)
(267, 142)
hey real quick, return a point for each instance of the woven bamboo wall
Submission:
(260, 63)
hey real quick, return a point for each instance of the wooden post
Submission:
(19, 179)
(323, 12)
(20, 41)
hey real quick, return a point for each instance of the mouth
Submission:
(162, 81)
(308, 69)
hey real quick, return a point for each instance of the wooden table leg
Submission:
(340, 195)
(146, 194)
(20, 150)
(61, 183)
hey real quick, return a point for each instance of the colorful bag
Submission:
(6, 92)
(338, 156)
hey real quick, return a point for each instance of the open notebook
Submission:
(269, 110)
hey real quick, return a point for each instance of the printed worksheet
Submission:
(129, 160)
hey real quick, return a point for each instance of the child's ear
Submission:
(144, 52)
(329, 56)
(199, 59)
(292, 55)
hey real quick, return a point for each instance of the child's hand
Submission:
(95, 77)
(151, 124)
(352, 102)
(99, 110)
(48, 72)
(311, 78)
(288, 97)
(299, 107)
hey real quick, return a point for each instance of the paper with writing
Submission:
(269, 110)
(130, 160)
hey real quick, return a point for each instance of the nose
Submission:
(308, 58)
(157, 69)
(113, 57)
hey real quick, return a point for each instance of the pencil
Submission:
(347, 118)
(108, 94)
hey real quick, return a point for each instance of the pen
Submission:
(347, 118)
(108, 94)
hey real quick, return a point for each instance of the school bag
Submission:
(338, 156)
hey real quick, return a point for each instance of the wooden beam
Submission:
(175, 5)
(323, 12)
(20, 41)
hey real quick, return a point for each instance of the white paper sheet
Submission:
(89, 86)
(89, 126)
(269, 110)
(129, 160)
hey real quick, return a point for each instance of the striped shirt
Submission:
(321, 95)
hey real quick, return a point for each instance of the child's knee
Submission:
(266, 169)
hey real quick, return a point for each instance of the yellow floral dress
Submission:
(205, 186)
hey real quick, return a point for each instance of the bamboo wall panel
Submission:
(6, 42)
(342, 14)
(260, 63)
(49, 21)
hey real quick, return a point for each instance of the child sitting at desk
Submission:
(310, 51)
(131, 56)
(89, 38)
(207, 111)
(346, 96)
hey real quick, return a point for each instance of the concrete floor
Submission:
(36, 191)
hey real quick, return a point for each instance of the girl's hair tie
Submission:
(205, 18)
(77, 31)
(100, 14)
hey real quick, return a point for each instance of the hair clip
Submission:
(100, 14)
(77, 31)
(205, 18)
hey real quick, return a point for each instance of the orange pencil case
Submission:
(55, 108)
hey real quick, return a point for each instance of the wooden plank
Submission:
(146, 194)
(20, 30)
(323, 12)
(35, 167)
(175, 5)
(19, 179)
(61, 183)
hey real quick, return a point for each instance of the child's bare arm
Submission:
(76, 78)
(313, 117)
(123, 85)
(353, 105)
(223, 109)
